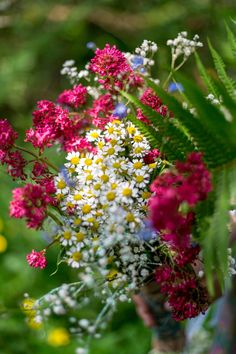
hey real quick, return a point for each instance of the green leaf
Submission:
(217, 238)
(220, 68)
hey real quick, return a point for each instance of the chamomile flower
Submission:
(67, 237)
(73, 158)
(93, 135)
(74, 256)
(61, 185)
(141, 178)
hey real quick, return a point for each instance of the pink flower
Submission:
(30, 202)
(37, 259)
(150, 99)
(7, 135)
(188, 183)
(50, 123)
(102, 110)
(185, 294)
(39, 169)
(15, 164)
(151, 156)
(75, 97)
(109, 62)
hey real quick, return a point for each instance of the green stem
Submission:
(54, 218)
(45, 160)
(26, 150)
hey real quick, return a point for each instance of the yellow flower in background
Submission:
(33, 323)
(28, 307)
(3, 243)
(58, 337)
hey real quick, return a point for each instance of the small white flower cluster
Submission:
(58, 301)
(213, 99)
(181, 45)
(70, 70)
(146, 48)
(231, 263)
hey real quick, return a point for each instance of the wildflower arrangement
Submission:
(137, 189)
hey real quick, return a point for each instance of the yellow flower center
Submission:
(111, 196)
(146, 195)
(67, 235)
(139, 179)
(127, 192)
(77, 197)
(110, 130)
(137, 165)
(105, 178)
(88, 162)
(80, 236)
(138, 150)
(77, 256)
(89, 178)
(86, 209)
(97, 186)
(110, 151)
(100, 160)
(94, 135)
(130, 217)
(77, 221)
(75, 160)
(113, 142)
(116, 164)
(138, 138)
(61, 184)
(131, 130)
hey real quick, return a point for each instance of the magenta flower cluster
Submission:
(150, 99)
(31, 202)
(37, 259)
(187, 297)
(74, 98)
(187, 185)
(13, 159)
(176, 193)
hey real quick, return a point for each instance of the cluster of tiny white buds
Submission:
(70, 70)
(231, 263)
(146, 47)
(213, 99)
(181, 45)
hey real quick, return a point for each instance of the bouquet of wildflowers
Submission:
(124, 207)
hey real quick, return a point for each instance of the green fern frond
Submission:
(205, 77)
(205, 140)
(232, 40)
(175, 143)
(220, 68)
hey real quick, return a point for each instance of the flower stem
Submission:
(54, 218)
(45, 160)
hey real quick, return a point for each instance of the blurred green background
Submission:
(37, 36)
